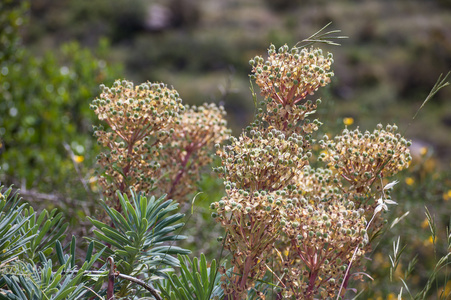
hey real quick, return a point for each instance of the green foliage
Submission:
(11, 19)
(197, 280)
(44, 113)
(34, 264)
(140, 238)
(44, 229)
(27, 241)
(41, 281)
(44, 107)
(12, 240)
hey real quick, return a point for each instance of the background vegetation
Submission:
(55, 55)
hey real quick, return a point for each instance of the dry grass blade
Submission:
(441, 83)
(407, 288)
(432, 225)
(322, 37)
(397, 220)
(396, 257)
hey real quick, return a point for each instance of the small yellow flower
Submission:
(447, 288)
(391, 296)
(447, 195)
(79, 158)
(93, 184)
(423, 151)
(348, 121)
(429, 241)
(425, 223)
(410, 181)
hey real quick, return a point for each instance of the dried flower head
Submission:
(191, 148)
(133, 112)
(152, 140)
(313, 224)
(137, 117)
(269, 162)
(289, 75)
(285, 79)
(361, 158)
(323, 235)
(253, 221)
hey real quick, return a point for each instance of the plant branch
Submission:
(141, 283)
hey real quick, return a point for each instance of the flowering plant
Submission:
(152, 141)
(308, 227)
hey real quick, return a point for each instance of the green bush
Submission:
(44, 108)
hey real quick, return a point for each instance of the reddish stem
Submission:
(184, 162)
(111, 277)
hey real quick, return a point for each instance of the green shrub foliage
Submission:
(141, 237)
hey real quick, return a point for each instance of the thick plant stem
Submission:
(247, 266)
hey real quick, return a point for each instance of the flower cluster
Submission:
(289, 75)
(323, 234)
(361, 158)
(285, 79)
(190, 148)
(257, 161)
(253, 215)
(307, 227)
(152, 140)
(137, 117)
(149, 107)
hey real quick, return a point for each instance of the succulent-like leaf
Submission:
(137, 235)
(196, 280)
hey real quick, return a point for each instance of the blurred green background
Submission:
(395, 51)
(54, 55)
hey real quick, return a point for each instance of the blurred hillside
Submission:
(395, 52)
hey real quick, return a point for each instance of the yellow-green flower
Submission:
(348, 121)
(410, 181)
(79, 158)
(447, 195)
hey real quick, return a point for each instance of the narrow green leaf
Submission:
(199, 287)
(111, 233)
(118, 218)
(132, 212)
(72, 252)
(59, 253)
(143, 206)
(64, 293)
(107, 239)
(144, 226)
(42, 216)
(203, 268)
(55, 282)
(89, 251)
(96, 223)
(44, 230)
(213, 273)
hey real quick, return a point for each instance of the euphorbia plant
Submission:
(309, 227)
(152, 141)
